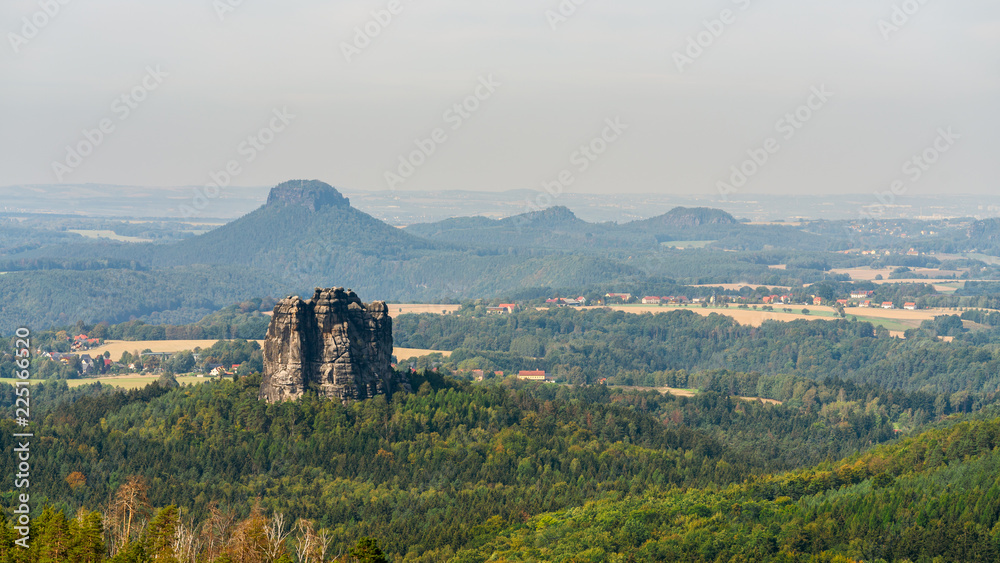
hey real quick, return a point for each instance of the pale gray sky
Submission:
(226, 76)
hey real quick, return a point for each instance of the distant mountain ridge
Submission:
(685, 217)
(307, 235)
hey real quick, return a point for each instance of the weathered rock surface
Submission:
(311, 194)
(332, 343)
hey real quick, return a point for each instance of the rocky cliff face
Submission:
(311, 194)
(332, 343)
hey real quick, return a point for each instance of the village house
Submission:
(650, 300)
(527, 375)
(565, 302)
(888, 305)
(502, 309)
(910, 306)
(859, 294)
(817, 300)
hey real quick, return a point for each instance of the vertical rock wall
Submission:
(332, 343)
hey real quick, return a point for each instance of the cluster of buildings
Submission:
(88, 364)
(671, 300)
(218, 370)
(503, 309)
(84, 342)
(566, 302)
(525, 375)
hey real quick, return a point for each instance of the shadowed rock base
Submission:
(332, 344)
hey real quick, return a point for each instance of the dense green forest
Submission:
(933, 497)
(584, 346)
(515, 471)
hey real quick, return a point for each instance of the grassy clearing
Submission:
(890, 324)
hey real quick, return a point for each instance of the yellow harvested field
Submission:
(416, 309)
(403, 354)
(116, 347)
(742, 316)
(124, 381)
(895, 317)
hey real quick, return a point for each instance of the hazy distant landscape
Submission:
(497, 282)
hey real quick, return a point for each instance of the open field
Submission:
(403, 354)
(898, 320)
(123, 381)
(396, 309)
(111, 235)
(116, 347)
(742, 316)
(992, 260)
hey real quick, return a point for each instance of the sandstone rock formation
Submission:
(311, 194)
(332, 343)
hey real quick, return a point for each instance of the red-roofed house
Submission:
(650, 300)
(910, 306)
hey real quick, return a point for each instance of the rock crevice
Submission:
(333, 344)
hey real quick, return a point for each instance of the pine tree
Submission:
(160, 535)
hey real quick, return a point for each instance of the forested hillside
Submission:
(931, 498)
(455, 472)
(584, 346)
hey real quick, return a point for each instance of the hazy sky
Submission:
(352, 105)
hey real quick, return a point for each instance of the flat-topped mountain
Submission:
(312, 194)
